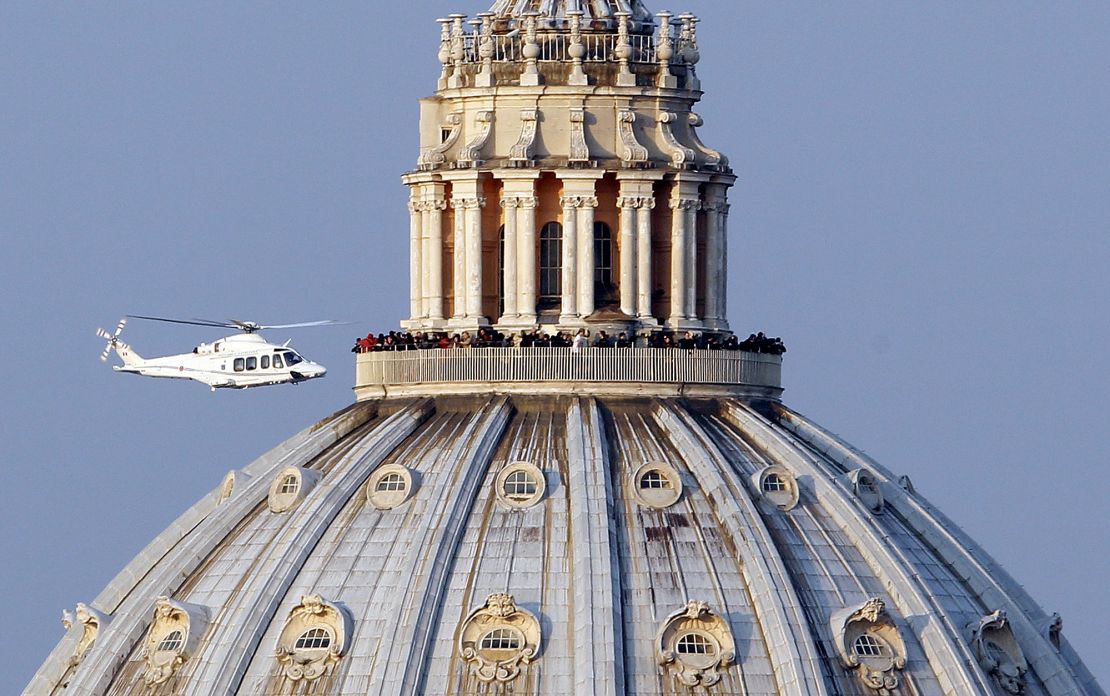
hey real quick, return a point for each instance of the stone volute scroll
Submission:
(314, 639)
(632, 152)
(470, 155)
(870, 643)
(498, 638)
(173, 637)
(682, 157)
(695, 645)
(521, 153)
(89, 622)
(713, 158)
(436, 155)
(579, 150)
(998, 652)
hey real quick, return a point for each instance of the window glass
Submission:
(292, 358)
(277, 361)
(240, 364)
(773, 483)
(694, 644)
(520, 485)
(551, 263)
(290, 485)
(654, 479)
(391, 482)
(172, 641)
(603, 254)
(868, 645)
(313, 638)
(252, 363)
(265, 362)
(500, 639)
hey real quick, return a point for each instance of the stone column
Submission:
(416, 255)
(628, 207)
(526, 260)
(473, 224)
(691, 225)
(722, 269)
(509, 254)
(569, 310)
(643, 260)
(713, 251)
(433, 257)
(586, 256)
(678, 262)
(458, 268)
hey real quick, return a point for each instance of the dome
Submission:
(592, 544)
(504, 512)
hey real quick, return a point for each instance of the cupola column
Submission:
(636, 201)
(433, 254)
(685, 201)
(417, 309)
(467, 201)
(628, 206)
(578, 200)
(518, 202)
(716, 209)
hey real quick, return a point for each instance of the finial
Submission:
(664, 51)
(485, 49)
(577, 50)
(444, 50)
(688, 49)
(625, 78)
(458, 50)
(531, 51)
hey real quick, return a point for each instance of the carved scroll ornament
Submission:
(498, 638)
(681, 156)
(998, 653)
(470, 155)
(695, 645)
(870, 643)
(632, 152)
(313, 639)
(433, 157)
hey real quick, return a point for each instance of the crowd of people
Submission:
(490, 338)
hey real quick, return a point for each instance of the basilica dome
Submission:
(531, 518)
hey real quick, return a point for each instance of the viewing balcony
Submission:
(631, 371)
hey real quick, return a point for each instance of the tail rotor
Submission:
(113, 339)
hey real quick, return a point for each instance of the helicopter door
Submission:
(277, 361)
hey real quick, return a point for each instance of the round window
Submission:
(656, 485)
(696, 649)
(520, 485)
(389, 486)
(313, 639)
(500, 644)
(872, 651)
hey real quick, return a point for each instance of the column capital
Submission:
(519, 202)
(636, 202)
(578, 201)
(686, 204)
(468, 203)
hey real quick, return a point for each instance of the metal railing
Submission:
(678, 366)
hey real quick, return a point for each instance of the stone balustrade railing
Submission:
(554, 47)
(398, 372)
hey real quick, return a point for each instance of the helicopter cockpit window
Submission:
(252, 363)
(292, 358)
(240, 364)
(277, 361)
(265, 362)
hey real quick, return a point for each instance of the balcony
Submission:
(631, 371)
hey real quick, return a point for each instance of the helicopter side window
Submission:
(277, 361)
(265, 362)
(292, 358)
(252, 363)
(240, 364)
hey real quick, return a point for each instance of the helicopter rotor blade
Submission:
(193, 322)
(303, 324)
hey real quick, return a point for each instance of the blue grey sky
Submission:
(923, 214)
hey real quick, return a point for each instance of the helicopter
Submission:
(239, 361)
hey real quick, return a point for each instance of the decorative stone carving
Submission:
(906, 484)
(313, 639)
(870, 643)
(520, 485)
(173, 636)
(1052, 629)
(664, 51)
(389, 486)
(579, 150)
(623, 51)
(997, 652)
(458, 51)
(777, 485)
(656, 485)
(576, 50)
(632, 152)
(521, 153)
(688, 49)
(233, 481)
(499, 637)
(866, 487)
(290, 487)
(695, 645)
(433, 157)
(682, 157)
(712, 157)
(90, 621)
(531, 51)
(485, 51)
(469, 156)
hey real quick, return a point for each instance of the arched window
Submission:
(520, 485)
(551, 264)
(653, 478)
(694, 644)
(603, 254)
(391, 482)
(290, 484)
(313, 639)
(173, 641)
(774, 483)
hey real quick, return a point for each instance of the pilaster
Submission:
(578, 200)
(519, 202)
(467, 202)
(636, 201)
(685, 202)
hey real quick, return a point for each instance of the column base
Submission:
(471, 324)
(516, 323)
(685, 324)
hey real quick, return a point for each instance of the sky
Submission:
(922, 213)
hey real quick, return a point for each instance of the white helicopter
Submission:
(233, 362)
